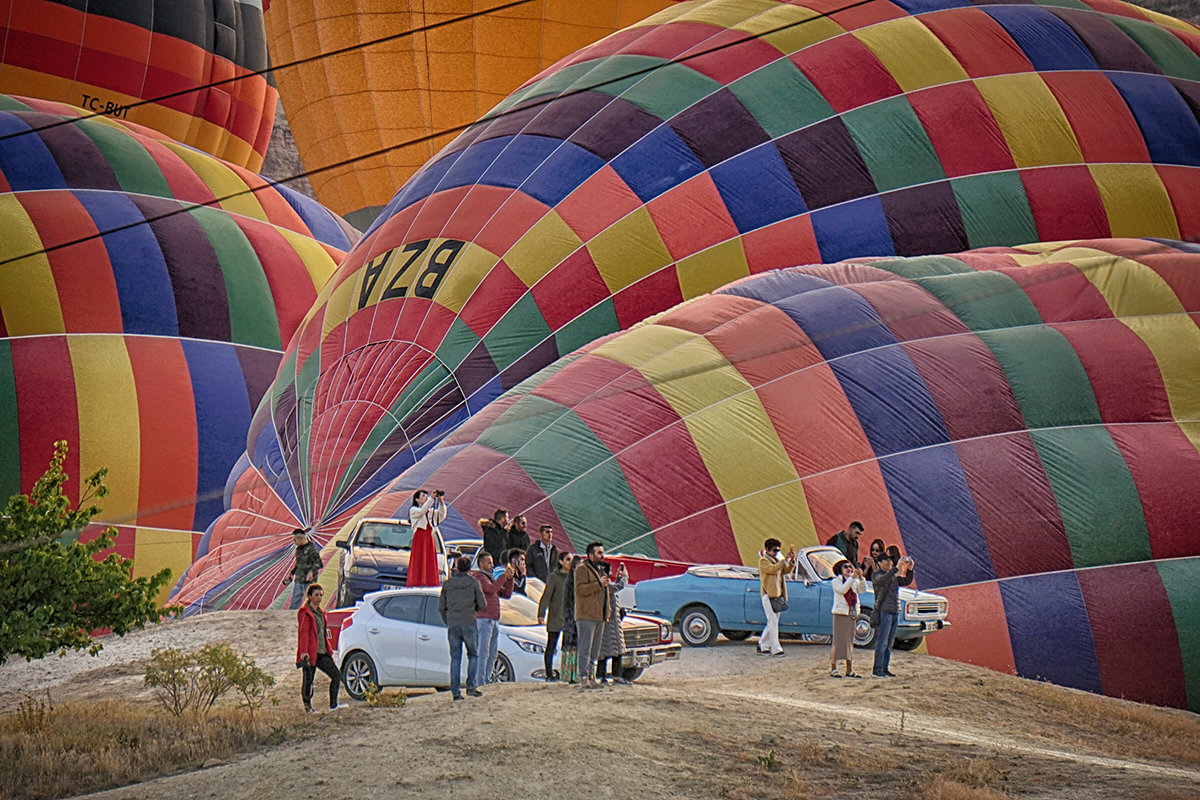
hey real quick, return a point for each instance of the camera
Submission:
(440, 493)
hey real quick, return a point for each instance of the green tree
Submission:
(54, 593)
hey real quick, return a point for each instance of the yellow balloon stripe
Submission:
(1034, 125)
(28, 296)
(725, 418)
(109, 430)
(911, 53)
(1135, 200)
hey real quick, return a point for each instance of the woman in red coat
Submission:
(426, 513)
(315, 649)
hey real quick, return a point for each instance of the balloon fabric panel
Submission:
(1179, 578)
(106, 56)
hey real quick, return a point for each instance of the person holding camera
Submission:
(612, 640)
(890, 574)
(847, 584)
(425, 514)
(516, 562)
(772, 572)
(487, 622)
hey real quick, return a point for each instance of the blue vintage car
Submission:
(711, 599)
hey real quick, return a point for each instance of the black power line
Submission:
(522, 108)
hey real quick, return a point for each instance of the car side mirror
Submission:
(342, 543)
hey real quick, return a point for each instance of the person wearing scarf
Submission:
(848, 583)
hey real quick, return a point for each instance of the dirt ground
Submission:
(722, 722)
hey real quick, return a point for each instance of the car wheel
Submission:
(864, 634)
(502, 670)
(698, 626)
(632, 673)
(908, 644)
(736, 636)
(358, 672)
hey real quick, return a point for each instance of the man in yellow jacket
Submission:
(772, 571)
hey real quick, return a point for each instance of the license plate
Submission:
(929, 626)
(643, 660)
(390, 586)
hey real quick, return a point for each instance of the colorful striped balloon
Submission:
(107, 55)
(1011, 417)
(99, 153)
(713, 141)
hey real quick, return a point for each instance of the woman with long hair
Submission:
(425, 514)
(570, 638)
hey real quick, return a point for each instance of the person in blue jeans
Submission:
(461, 599)
(890, 574)
(487, 622)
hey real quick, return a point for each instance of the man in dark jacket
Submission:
(847, 542)
(518, 538)
(495, 535)
(460, 601)
(305, 569)
(889, 575)
(542, 557)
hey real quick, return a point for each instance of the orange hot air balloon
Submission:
(107, 55)
(346, 106)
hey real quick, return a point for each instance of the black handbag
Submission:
(875, 617)
(779, 604)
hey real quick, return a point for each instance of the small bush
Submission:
(195, 681)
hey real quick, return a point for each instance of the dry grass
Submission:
(50, 751)
(943, 788)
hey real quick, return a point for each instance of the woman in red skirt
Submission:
(426, 513)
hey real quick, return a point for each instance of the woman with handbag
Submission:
(848, 584)
(772, 571)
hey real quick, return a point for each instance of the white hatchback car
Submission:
(397, 638)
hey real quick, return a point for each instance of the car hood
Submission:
(380, 558)
(914, 594)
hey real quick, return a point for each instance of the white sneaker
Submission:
(338, 707)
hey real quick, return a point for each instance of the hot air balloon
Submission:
(710, 142)
(1025, 422)
(138, 325)
(106, 56)
(345, 107)
(50, 146)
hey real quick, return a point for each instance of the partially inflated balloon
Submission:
(99, 153)
(710, 142)
(108, 55)
(1010, 417)
(343, 107)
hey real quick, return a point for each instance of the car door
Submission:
(433, 651)
(392, 636)
(804, 606)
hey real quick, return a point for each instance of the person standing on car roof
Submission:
(495, 535)
(425, 514)
(305, 569)
(517, 538)
(772, 576)
(487, 622)
(551, 610)
(315, 648)
(459, 603)
(542, 555)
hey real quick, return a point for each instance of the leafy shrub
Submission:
(195, 681)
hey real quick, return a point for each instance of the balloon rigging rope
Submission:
(429, 137)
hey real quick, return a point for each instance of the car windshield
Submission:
(822, 561)
(518, 610)
(388, 535)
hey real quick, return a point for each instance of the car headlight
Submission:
(910, 609)
(665, 633)
(357, 570)
(943, 607)
(528, 646)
